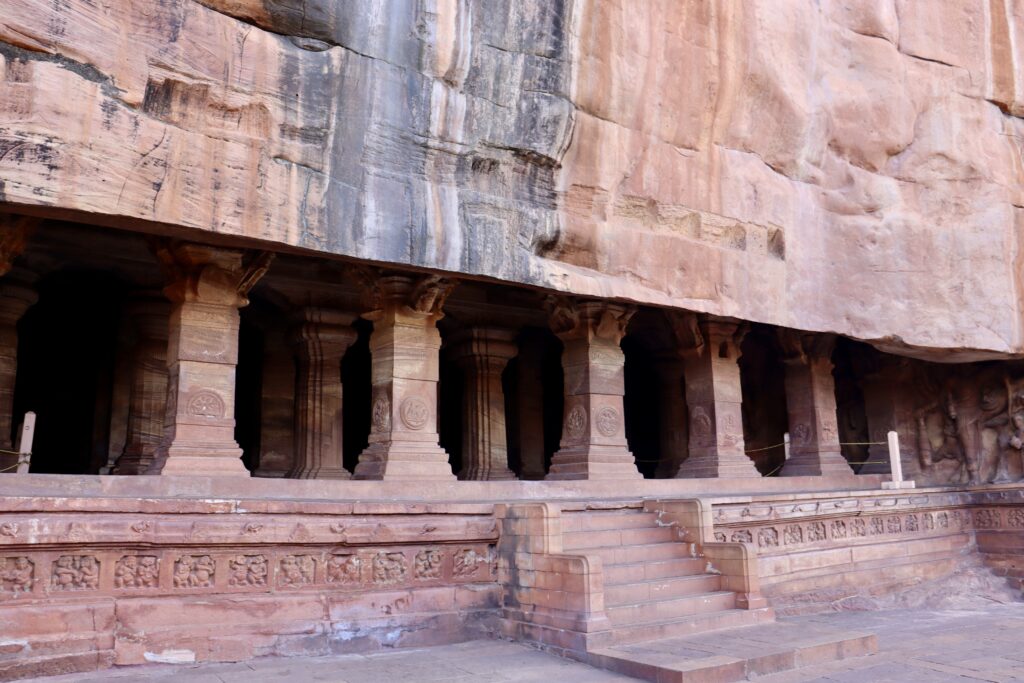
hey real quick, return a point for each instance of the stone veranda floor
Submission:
(930, 646)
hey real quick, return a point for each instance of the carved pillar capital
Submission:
(592, 320)
(15, 232)
(406, 295)
(323, 332)
(211, 275)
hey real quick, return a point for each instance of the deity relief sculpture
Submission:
(467, 562)
(134, 571)
(16, 575)
(75, 572)
(248, 570)
(389, 568)
(296, 570)
(194, 571)
(344, 569)
(428, 564)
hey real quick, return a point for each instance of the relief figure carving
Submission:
(16, 574)
(75, 573)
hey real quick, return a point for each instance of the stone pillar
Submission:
(483, 353)
(404, 346)
(277, 407)
(147, 399)
(207, 286)
(714, 399)
(673, 440)
(889, 407)
(811, 403)
(321, 340)
(530, 368)
(593, 442)
(17, 295)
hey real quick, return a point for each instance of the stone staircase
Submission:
(671, 619)
(1009, 566)
(655, 586)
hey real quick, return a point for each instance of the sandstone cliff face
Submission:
(843, 165)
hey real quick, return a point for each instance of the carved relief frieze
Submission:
(468, 563)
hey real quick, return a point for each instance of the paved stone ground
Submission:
(926, 646)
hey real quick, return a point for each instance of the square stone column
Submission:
(714, 401)
(483, 353)
(530, 372)
(321, 341)
(147, 401)
(277, 406)
(889, 406)
(593, 442)
(811, 403)
(674, 437)
(17, 295)
(207, 287)
(404, 345)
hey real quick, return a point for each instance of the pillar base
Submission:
(828, 464)
(486, 474)
(404, 461)
(134, 462)
(593, 462)
(321, 473)
(717, 466)
(204, 462)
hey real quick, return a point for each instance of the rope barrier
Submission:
(10, 452)
(8, 469)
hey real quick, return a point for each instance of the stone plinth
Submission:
(811, 403)
(404, 346)
(593, 442)
(714, 399)
(147, 402)
(206, 286)
(483, 353)
(321, 341)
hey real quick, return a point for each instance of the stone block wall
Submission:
(122, 586)
(842, 551)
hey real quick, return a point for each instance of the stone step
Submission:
(660, 569)
(735, 654)
(687, 626)
(672, 608)
(659, 589)
(635, 554)
(584, 540)
(616, 519)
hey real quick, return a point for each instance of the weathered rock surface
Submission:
(852, 166)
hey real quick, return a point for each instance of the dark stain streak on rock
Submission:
(86, 71)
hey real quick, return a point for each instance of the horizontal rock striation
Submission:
(834, 166)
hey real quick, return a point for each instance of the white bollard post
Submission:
(896, 465)
(28, 431)
(785, 442)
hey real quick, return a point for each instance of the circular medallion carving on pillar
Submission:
(608, 421)
(415, 412)
(381, 414)
(205, 403)
(576, 422)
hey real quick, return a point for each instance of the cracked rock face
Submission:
(843, 165)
